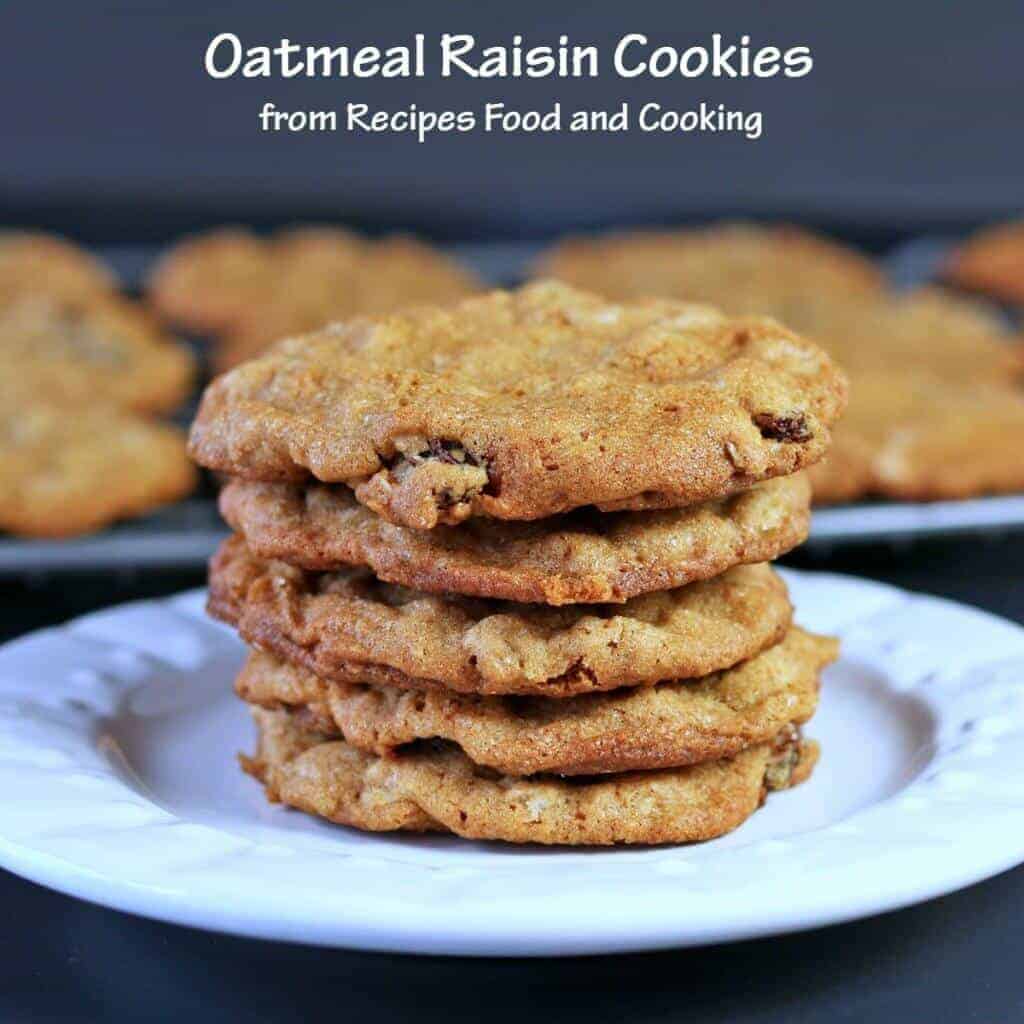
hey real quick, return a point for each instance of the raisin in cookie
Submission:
(521, 405)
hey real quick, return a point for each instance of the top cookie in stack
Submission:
(527, 404)
(415, 494)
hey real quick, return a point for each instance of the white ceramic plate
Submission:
(118, 784)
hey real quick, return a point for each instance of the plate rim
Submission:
(417, 929)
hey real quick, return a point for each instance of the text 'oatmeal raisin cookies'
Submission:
(348, 626)
(436, 788)
(581, 556)
(664, 726)
(521, 405)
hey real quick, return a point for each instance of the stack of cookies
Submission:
(503, 566)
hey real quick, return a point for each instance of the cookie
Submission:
(991, 261)
(847, 473)
(582, 556)
(664, 726)
(348, 626)
(935, 408)
(915, 436)
(33, 263)
(97, 351)
(255, 291)
(521, 405)
(69, 471)
(925, 331)
(206, 283)
(338, 277)
(780, 271)
(436, 788)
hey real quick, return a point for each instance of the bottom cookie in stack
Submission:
(673, 762)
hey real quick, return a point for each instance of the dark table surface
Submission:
(953, 959)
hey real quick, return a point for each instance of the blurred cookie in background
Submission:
(918, 437)
(96, 351)
(783, 271)
(205, 283)
(936, 405)
(82, 364)
(248, 292)
(962, 341)
(69, 470)
(33, 263)
(992, 262)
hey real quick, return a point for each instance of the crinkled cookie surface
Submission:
(437, 788)
(664, 726)
(582, 556)
(348, 626)
(521, 405)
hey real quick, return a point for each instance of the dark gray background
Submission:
(111, 129)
